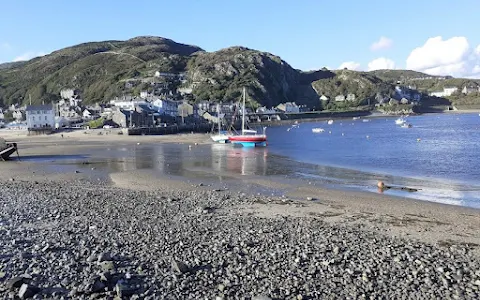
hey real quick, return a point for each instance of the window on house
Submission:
(45, 118)
(33, 119)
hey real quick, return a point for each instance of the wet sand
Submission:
(100, 135)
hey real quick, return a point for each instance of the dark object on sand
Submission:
(382, 187)
(7, 149)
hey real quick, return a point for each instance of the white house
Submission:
(166, 107)
(40, 116)
(350, 97)
(88, 114)
(468, 89)
(68, 94)
(265, 110)
(324, 98)
(447, 91)
(145, 94)
(128, 104)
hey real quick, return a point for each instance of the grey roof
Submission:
(39, 107)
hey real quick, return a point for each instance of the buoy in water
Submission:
(418, 140)
(380, 184)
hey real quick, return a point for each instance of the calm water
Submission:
(438, 155)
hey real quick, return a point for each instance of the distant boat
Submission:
(221, 137)
(330, 122)
(248, 137)
(406, 125)
(293, 126)
(318, 130)
(365, 120)
(356, 118)
(400, 121)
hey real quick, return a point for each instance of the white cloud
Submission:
(476, 69)
(381, 63)
(382, 43)
(351, 65)
(445, 57)
(28, 55)
(477, 50)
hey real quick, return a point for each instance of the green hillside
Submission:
(95, 68)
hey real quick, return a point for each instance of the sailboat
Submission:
(248, 137)
(222, 135)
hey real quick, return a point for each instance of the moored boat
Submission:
(317, 130)
(248, 137)
(222, 135)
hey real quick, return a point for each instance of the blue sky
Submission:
(308, 34)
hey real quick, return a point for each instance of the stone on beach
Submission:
(112, 242)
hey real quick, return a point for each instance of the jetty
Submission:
(7, 149)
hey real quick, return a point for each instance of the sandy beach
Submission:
(139, 232)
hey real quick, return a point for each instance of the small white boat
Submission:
(330, 122)
(356, 118)
(293, 126)
(400, 121)
(221, 136)
(365, 120)
(317, 130)
(406, 125)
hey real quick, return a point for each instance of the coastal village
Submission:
(163, 105)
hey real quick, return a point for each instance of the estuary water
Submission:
(439, 154)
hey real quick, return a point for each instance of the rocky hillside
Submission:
(343, 82)
(100, 70)
(97, 69)
(222, 74)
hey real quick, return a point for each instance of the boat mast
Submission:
(218, 117)
(243, 112)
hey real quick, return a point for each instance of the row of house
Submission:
(448, 91)
(341, 98)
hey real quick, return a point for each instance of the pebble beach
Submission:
(73, 237)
